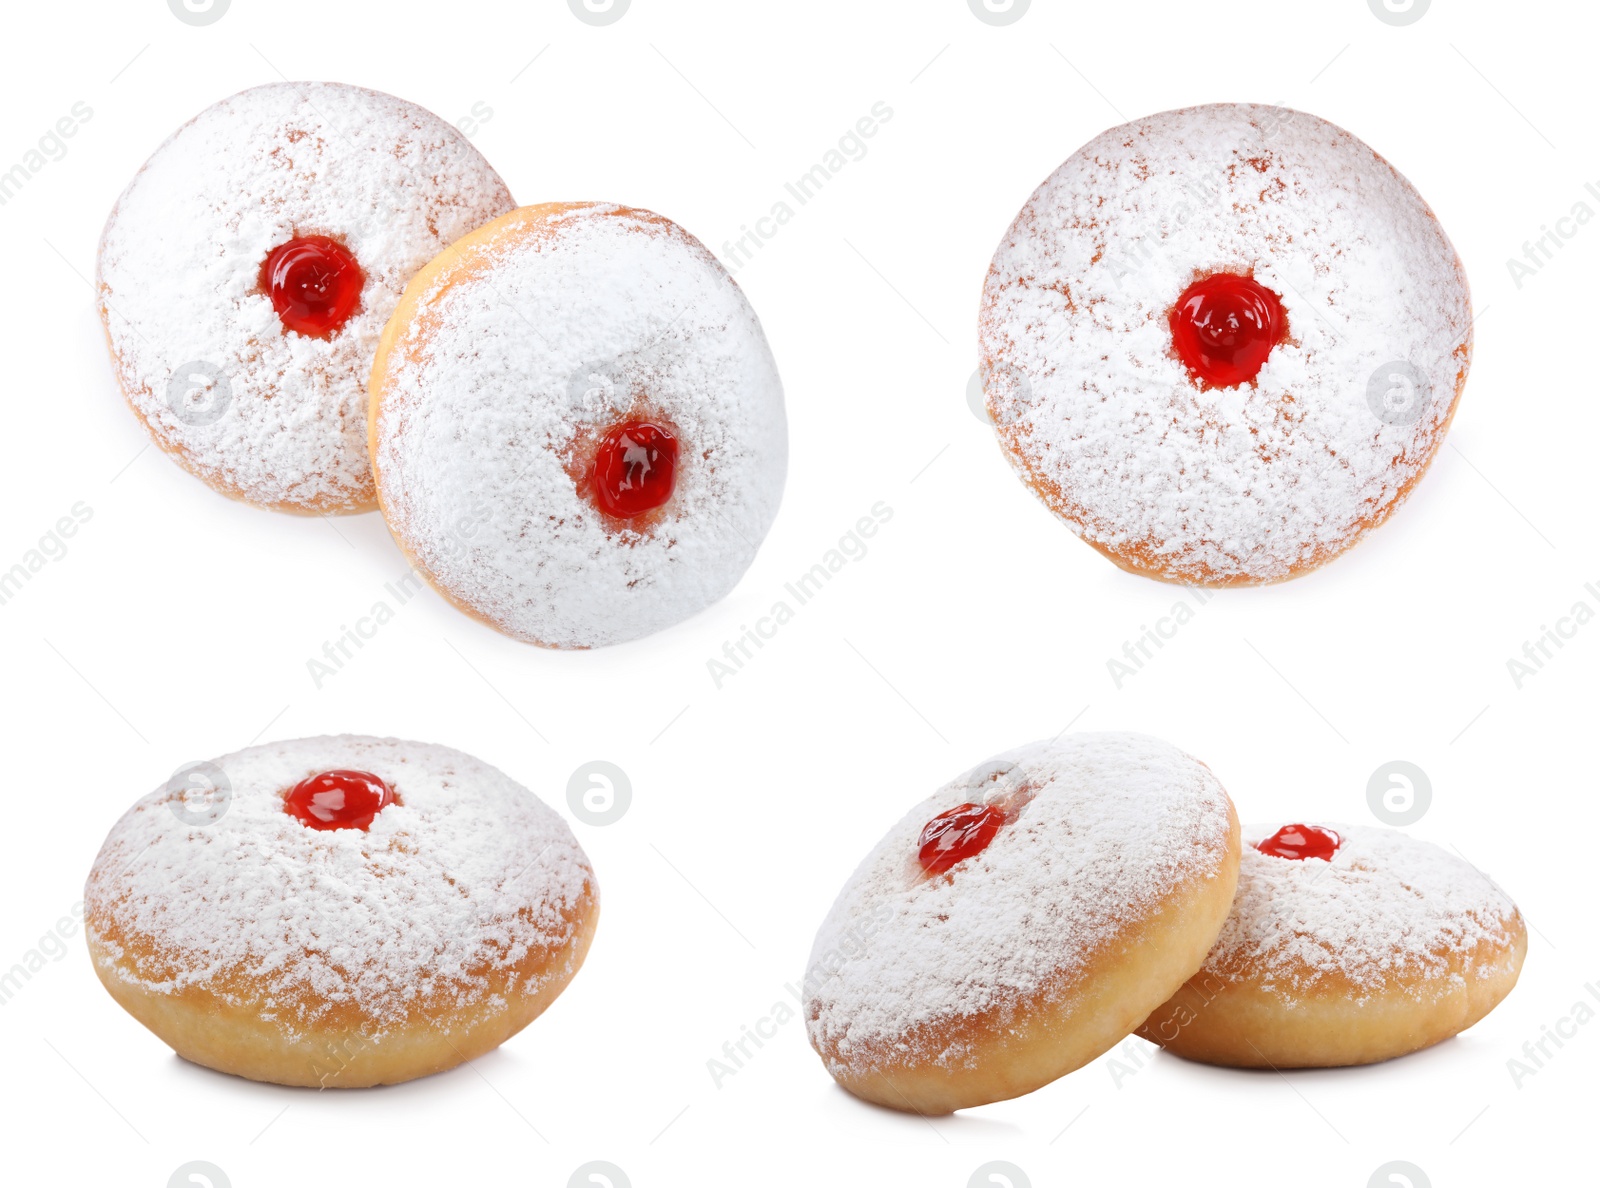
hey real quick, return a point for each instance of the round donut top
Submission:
(464, 876)
(284, 422)
(1111, 827)
(1234, 484)
(1386, 909)
(523, 346)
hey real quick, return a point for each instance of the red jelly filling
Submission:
(341, 799)
(635, 468)
(314, 283)
(1301, 842)
(1224, 327)
(960, 833)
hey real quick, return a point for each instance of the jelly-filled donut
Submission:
(339, 912)
(1346, 945)
(247, 271)
(1021, 921)
(1223, 343)
(577, 427)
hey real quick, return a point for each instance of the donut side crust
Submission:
(230, 1033)
(1235, 1020)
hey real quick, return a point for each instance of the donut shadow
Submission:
(963, 1122)
(215, 1080)
(1435, 1055)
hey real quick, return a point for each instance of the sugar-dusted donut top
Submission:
(1116, 825)
(468, 873)
(1097, 411)
(552, 324)
(180, 269)
(1386, 908)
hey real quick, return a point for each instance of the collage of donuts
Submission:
(570, 418)
(617, 593)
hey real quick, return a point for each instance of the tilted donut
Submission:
(338, 912)
(1388, 945)
(576, 425)
(1021, 921)
(247, 271)
(1223, 343)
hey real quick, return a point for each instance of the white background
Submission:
(179, 624)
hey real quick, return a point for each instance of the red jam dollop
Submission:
(1224, 327)
(341, 799)
(635, 468)
(314, 283)
(1301, 842)
(958, 834)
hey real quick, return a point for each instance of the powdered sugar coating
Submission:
(468, 873)
(534, 336)
(180, 265)
(1095, 410)
(1388, 911)
(1115, 825)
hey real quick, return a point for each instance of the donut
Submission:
(1223, 343)
(247, 271)
(577, 426)
(1021, 921)
(338, 912)
(1346, 945)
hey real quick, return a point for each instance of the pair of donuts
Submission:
(1223, 343)
(338, 912)
(1038, 909)
(322, 299)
